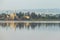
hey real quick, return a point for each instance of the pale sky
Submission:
(29, 4)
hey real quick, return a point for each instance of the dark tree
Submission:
(20, 14)
(33, 15)
(38, 16)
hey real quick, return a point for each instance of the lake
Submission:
(29, 31)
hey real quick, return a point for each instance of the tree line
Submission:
(33, 16)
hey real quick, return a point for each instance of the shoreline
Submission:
(29, 21)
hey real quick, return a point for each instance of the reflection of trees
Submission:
(39, 24)
(59, 25)
(48, 24)
(33, 25)
(3, 24)
(20, 25)
(28, 25)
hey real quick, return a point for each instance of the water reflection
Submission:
(30, 25)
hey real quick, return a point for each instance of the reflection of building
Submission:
(26, 24)
(12, 25)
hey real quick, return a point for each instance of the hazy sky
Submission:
(29, 4)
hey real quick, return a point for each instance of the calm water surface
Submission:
(29, 31)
